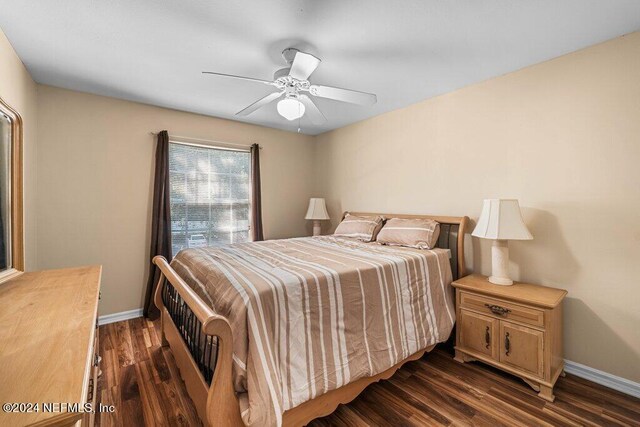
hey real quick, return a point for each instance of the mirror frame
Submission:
(17, 188)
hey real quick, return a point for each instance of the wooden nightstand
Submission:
(515, 328)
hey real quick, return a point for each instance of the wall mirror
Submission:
(11, 205)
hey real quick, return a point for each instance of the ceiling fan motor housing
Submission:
(289, 54)
(282, 72)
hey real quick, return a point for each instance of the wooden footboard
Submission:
(216, 402)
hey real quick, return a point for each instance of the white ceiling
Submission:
(404, 51)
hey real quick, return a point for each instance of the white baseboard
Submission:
(118, 317)
(620, 384)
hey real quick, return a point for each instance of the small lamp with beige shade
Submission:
(501, 221)
(317, 212)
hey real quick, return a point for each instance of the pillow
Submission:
(415, 233)
(363, 228)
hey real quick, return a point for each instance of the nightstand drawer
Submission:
(502, 309)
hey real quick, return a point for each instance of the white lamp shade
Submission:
(317, 209)
(501, 220)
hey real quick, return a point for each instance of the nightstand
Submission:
(515, 328)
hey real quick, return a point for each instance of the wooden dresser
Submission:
(515, 328)
(48, 347)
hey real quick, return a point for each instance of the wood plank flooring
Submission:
(141, 379)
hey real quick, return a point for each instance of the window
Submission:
(210, 196)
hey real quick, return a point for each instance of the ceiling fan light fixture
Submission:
(290, 108)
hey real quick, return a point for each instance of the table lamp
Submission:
(317, 212)
(501, 221)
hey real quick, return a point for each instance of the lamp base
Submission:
(316, 228)
(500, 263)
(504, 281)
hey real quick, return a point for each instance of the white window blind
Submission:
(210, 196)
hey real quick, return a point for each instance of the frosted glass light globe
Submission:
(290, 108)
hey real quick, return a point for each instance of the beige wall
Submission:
(19, 90)
(95, 166)
(564, 138)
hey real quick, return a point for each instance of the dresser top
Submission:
(47, 327)
(538, 295)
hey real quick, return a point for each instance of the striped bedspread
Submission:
(310, 315)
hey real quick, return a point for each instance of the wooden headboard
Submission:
(452, 229)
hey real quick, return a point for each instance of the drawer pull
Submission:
(487, 338)
(96, 360)
(496, 309)
(90, 398)
(507, 344)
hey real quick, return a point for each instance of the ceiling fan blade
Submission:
(260, 103)
(239, 77)
(303, 65)
(316, 116)
(344, 95)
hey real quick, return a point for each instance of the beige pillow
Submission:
(414, 233)
(363, 228)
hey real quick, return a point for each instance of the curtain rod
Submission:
(195, 141)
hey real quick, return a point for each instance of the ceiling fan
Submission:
(292, 85)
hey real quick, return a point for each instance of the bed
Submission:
(283, 331)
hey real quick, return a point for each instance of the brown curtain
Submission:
(256, 197)
(160, 221)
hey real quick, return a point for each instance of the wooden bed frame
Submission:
(217, 404)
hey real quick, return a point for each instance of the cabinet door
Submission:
(521, 347)
(478, 333)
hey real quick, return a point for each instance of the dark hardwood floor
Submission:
(141, 379)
